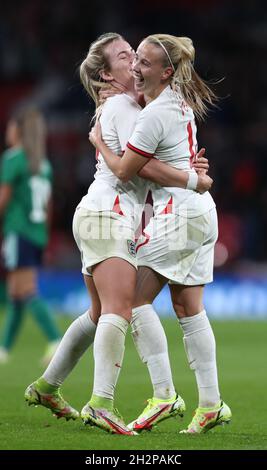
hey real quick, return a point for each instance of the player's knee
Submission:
(179, 309)
(123, 309)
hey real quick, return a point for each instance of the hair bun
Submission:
(187, 48)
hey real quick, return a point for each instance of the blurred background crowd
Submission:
(41, 47)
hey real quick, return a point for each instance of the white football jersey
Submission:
(107, 192)
(166, 130)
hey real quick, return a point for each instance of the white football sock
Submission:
(108, 353)
(200, 348)
(151, 343)
(78, 337)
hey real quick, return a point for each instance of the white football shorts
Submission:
(103, 235)
(179, 248)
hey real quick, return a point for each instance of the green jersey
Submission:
(26, 212)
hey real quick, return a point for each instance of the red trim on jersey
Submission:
(168, 208)
(145, 242)
(140, 152)
(116, 206)
(190, 141)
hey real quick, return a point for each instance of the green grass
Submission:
(241, 350)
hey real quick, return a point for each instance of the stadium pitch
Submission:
(241, 352)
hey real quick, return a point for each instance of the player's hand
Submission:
(95, 135)
(200, 163)
(110, 90)
(204, 183)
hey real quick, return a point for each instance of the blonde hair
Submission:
(95, 62)
(32, 129)
(179, 53)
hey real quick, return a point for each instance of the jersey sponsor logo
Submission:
(131, 247)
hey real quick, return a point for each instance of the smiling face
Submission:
(149, 69)
(120, 57)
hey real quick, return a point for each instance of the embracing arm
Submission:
(163, 174)
(166, 175)
(131, 163)
(124, 167)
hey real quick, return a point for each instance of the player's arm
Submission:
(5, 196)
(110, 90)
(124, 167)
(166, 175)
(131, 162)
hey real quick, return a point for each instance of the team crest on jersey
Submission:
(131, 247)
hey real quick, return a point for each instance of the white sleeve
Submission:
(147, 134)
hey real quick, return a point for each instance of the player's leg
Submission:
(148, 334)
(77, 339)
(151, 343)
(15, 301)
(199, 340)
(28, 291)
(187, 297)
(95, 309)
(115, 281)
(14, 316)
(22, 257)
(200, 347)
(22, 286)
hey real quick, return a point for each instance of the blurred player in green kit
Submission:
(25, 199)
